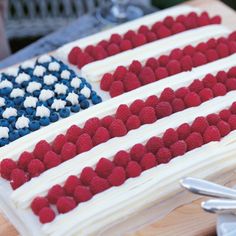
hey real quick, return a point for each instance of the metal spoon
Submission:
(207, 188)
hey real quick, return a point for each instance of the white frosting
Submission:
(22, 122)
(22, 77)
(60, 88)
(54, 66)
(10, 111)
(44, 58)
(42, 111)
(49, 79)
(12, 71)
(28, 64)
(4, 132)
(39, 70)
(86, 92)
(65, 74)
(58, 104)
(2, 102)
(75, 82)
(5, 84)
(32, 86)
(17, 93)
(30, 101)
(45, 94)
(73, 98)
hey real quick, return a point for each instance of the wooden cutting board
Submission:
(188, 219)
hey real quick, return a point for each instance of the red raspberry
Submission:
(232, 47)
(176, 54)
(6, 167)
(35, 167)
(209, 81)
(71, 183)
(173, 67)
(82, 194)
(41, 148)
(133, 169)
(91, 125)
(225, 114)
(232, 36)
(183, 131)
(135, 67)
(18, 177)
(181, 92)
(104, 167)
(87, 175)
(151, 101)
(168, 21)
(84, 143)
(137, 152)
(161, 73)
(46, 215)
(137, 106)
(219, 89)
(232, 122)
(24, 160)
(89, 49)
(213, 119)
(152, 63)
(117, 128)
(167, 95)
(179, 148)
(148, 161)
(58, 143)
(113, 49)
(117, 177)
(143, 29)
(189, 50)
(99, 53)
(125, 45)
(117, 88)
(233, 108)
(186, 63)
(156, 26)
(190, 22)
(68, 151)
(115, 38)
(199, 125)
(222, 50)
(138, 40)
(131, 82)
(65, 204)
(211, 43)
(192, 99)
(163, 32)
(221, 76)
(147, 115)
(163, 155)
(231, 72)
(163, 60)
(51, 159)
(153, 144)
(150, 36)
(83, 59)
(206, 94)
(121, 158)
(211, 134)
(196, 86)
(120, 73)
(73, 133)
(223, 127)
(147, 75)
(177, 28)
(163, 109)
(103, 43)
(201, 47)
(123, 112)
(169, 137)
(177, 105)
(194, 140)
(215, 20)
(72, 56)
(98, 185)
(38, 204)
(101, 136)
(199, 59)
(231, 84)
(133, 122)
(203, 19)
(106, 121)
(55, 193)
(212, 55)
(106, 81)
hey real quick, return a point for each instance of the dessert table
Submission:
(188, 219)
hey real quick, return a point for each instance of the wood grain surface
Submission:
(189, 219)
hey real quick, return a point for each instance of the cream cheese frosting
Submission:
(46, 94)
(17, 93)
(58, 104)
(42, 111)
(9, 111)
(32, 86)
(54, 66)
(75, 82)
(2, 102)
(44, 59)
(5, 84)
(30, 101)
(65, 74)
(39, 70)
(4, 132)
(73, 98)
(22, 77)
(49, 79)
(22, 122)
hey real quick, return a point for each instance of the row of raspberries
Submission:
(136, 75)
(95, 131)
(131, 39)
(130, 164)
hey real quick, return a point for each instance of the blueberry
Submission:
(44, 121)
(96, 99)
(3, 142)
(18, 100)
(54, 117)
(75, 108)
(34, 125)
(22, 112)
(81, 97)
(14, 135)
(84, 104)
(4, 123)
(24, 84)
(61, 96)
(9, 103)
(50, 101)
(29, 110)
(23, 131)
(64, 112)
(36, 93)
(5, 91)
(12, 119)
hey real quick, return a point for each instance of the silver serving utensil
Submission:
(207, 188)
